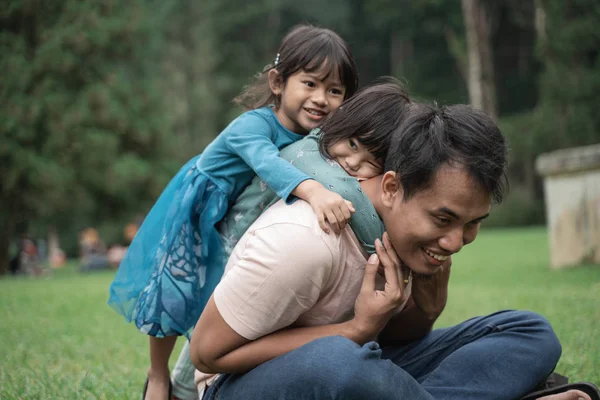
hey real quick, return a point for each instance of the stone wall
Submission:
(572, 193)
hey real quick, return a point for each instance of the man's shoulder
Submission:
(299, 223)
(298, 215)
(287, 235)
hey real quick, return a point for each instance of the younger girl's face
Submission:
(356, 160)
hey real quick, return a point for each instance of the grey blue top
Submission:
(305, 156)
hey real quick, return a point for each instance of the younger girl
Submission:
(163, 282)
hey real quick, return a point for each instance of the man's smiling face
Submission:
(435, 222)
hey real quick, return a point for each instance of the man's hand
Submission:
(431, 292)
(374, 308)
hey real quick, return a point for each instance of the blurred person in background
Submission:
(92, 251)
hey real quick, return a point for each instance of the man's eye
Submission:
(444, 220)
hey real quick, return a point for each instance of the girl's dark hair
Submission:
(305, 47)
(371, 116)
(459, 134)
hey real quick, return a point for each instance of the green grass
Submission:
(508, 269)
(59, 339)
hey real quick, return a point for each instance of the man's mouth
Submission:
(437, 257)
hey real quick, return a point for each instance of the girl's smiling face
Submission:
(356, 160)
(307, 98)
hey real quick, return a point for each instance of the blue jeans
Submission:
(500, 356)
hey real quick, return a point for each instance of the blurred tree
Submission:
(422, 43)
(247, 36)
(513, 43)
(481, 75)
(189, 87)
(81, 122)
(569, 47)
(569, 87)
(563, 111)
(104, 100)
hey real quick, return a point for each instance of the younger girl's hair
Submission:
(371, 117)
(307, 48)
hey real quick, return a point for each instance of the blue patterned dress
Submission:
(164, 281)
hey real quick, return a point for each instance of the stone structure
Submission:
(572, 193)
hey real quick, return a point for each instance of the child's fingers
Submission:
(322, 223)
(350, 206)
(333, 222)
(341, 217)
(346, 213)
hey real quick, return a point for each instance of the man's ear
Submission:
(390, 188)
(275, 81)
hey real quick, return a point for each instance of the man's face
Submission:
(435, 222)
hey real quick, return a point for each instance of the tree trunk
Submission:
(459, 53)
(8, 219)
(400, 51)
(540, 22)
(488, 76)
(5, 238)
(481, 79)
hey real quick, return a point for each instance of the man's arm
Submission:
(427, 301)
(215, 347)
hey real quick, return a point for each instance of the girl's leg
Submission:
(182, 377)
(158, 374)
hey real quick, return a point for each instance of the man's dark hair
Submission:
(461, 135)
(371, 116)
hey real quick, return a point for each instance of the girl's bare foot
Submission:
(569, 395)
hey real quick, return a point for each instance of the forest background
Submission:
(103, 100)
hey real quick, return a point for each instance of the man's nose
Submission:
(452, 241)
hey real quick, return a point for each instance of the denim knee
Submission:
(332, 356)
(546, 340)
(340, 367)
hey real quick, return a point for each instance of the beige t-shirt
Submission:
(285, 271)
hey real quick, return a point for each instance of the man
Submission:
(297, 313)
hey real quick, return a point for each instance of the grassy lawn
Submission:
(60, 340)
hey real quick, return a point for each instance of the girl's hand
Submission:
(374, 308)
(331, 209)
